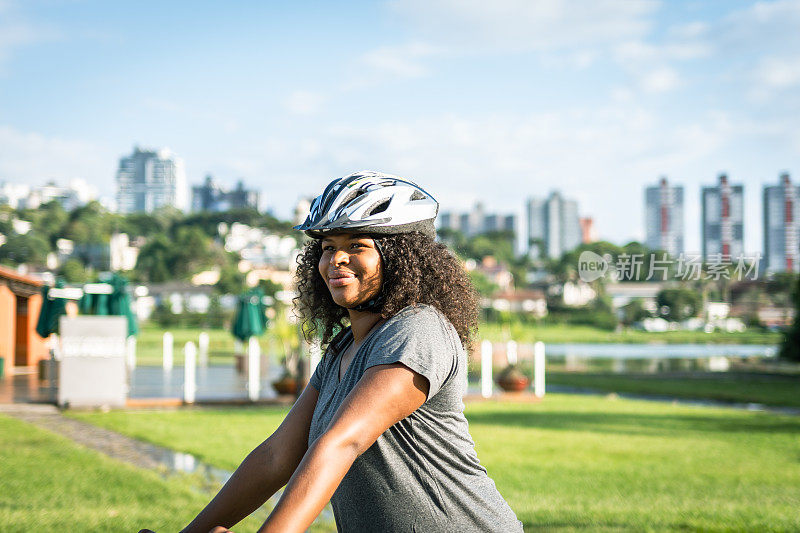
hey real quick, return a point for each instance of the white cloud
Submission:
(660, 80)
(16, 32)
(602, 157)
(304, 102)
(404, 61)
(34, 158)
(762, 45)
(222, 117)
(778, 73)
(643, 53)
(528, 25)
(759, 27)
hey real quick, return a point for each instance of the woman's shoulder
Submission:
(418, 313)
(421, 319)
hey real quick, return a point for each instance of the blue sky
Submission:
(491, 101)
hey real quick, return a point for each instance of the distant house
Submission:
(260, 248)
(496, 273)
(776, 317)
(621, 293)
(284, 278)
(532, 302)
(118, 254)
(577, 294)
(178, 296)
(20, 302)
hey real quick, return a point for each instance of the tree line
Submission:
(175, 245)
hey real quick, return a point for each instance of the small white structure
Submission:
(717, 311)
(189, 372)
(253, 369)
(511, 352)
(655, 324)
(576, 294)
(538, 369)
(719, 364)
(486, 369)
(122, 256)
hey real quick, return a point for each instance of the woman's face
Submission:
(351, 268)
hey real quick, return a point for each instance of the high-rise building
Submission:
(723, 220)
(240, 198)
(782, 226)
(663, 214)
(149, 179)
(553, 225)
(479, 222)
(212, 197)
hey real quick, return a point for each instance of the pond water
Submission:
(654, 358)
(660, 351)
(214, 383)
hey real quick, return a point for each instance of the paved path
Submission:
(107, 442)
(135, 452)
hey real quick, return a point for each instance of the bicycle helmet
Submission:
(374, 202)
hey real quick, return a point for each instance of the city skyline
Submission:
(476, 102)
(653, 208)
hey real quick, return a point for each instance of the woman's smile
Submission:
(340, 279)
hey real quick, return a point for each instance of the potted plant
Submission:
(287, 384)
(511, 379)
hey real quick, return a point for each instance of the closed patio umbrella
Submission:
(50, 312)
(120, 303)
(250, 319)
(95, 304)
(115, 302)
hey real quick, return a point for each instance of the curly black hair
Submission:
(417, 270)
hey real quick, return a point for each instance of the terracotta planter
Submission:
(512, 380)
(285, 386)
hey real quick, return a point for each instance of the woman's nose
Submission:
(339, 257)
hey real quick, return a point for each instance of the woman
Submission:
(380, 430)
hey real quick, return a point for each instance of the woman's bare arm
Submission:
(383, 396)
(265, 470)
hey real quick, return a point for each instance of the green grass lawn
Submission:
(560, 333)
(572, 462)
(48, 483)
(765, 388)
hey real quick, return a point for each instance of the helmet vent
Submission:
(417, 196)
(351, 196)
(379, 208)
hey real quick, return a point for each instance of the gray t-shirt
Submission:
(422, 474)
